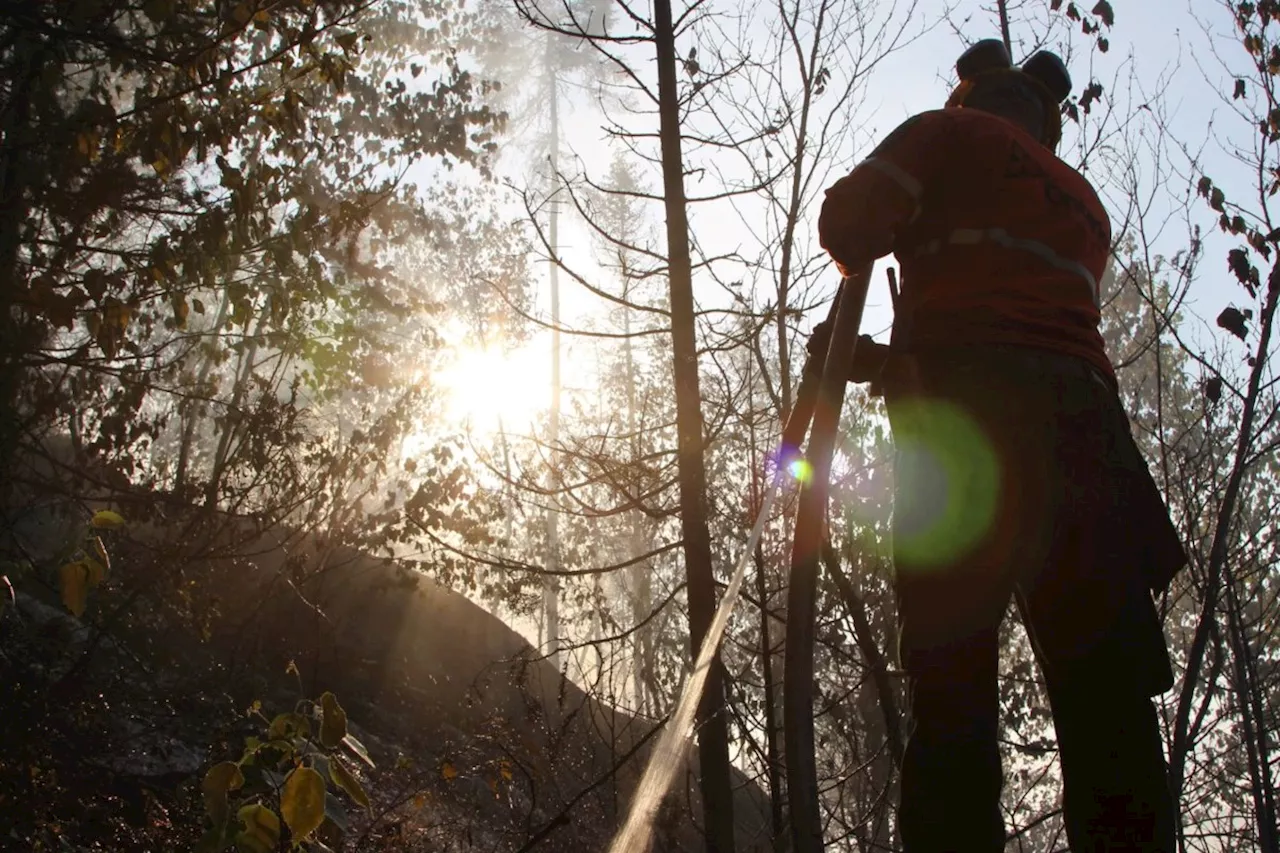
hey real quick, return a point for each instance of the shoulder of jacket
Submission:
(928, 122)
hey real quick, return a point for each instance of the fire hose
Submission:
(818, 402)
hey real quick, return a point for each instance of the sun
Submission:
(492, 388)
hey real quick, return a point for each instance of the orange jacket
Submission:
(998, 241)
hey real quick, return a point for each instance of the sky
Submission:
(1155, 39)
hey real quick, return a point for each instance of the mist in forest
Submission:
(390, 387)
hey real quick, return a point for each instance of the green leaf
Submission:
(261, 833)
(343, 778)
(333, 722)
(288, 724)
(302, 801)
(220, 779)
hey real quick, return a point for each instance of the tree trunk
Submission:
(1217, 567)
(713, 732)
(193, 415)
(28, 58)
(551, 582)
(641, 583)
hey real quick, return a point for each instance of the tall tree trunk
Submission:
(244, 371)
(1217, 568)
(641, 583)
(193, 415)
(713, 730)
(1253, 722)
(25, 69)
(551, 582)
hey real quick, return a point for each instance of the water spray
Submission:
(818, 399)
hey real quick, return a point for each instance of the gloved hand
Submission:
(868, 356)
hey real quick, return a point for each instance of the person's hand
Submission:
(868, 356)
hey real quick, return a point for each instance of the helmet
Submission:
(1045, 71)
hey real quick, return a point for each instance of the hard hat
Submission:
(1046, 72)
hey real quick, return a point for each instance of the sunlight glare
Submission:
(488, 388)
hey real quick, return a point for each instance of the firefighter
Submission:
(1016, 472)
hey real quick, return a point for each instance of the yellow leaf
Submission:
(107, 520)
(74, 580)
(302, 801)
(343, 779)
(96, 572)
(261, 17)
(333, 722)
(505, 769)
(261, 833)
(448, 771)
(419, 801)
(220, 779)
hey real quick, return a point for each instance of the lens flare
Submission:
(948, 476)
(800, 470)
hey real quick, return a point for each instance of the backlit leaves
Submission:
(218, 783)
(261, 833)
(302, 801)
(333, 721)
(343, 778)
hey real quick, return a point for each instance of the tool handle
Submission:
(801, 413)
(810, 529)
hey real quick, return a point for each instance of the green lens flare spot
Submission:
(948, 484)
(800, 470)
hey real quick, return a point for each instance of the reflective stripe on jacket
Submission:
(998, 241)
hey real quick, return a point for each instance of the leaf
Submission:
(343, 778)
(356, 747)
(448, 771)
(73, 578)
(1239, 90)
(1204, 186)
(1245, 272)
(288, 724)
(220, 779)
(348, 40)
(302, 801)
(1213, 389)
(1234, 322)
(241, 13)
(1217, 199)
(96, 572)
(107, 520)
(1103, 45)
(261, 833)
(333, 722)
(1103, 11)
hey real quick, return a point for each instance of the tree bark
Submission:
(550, 581)
(1217, 564)
(712, 727)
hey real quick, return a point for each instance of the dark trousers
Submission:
(1019, 479)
